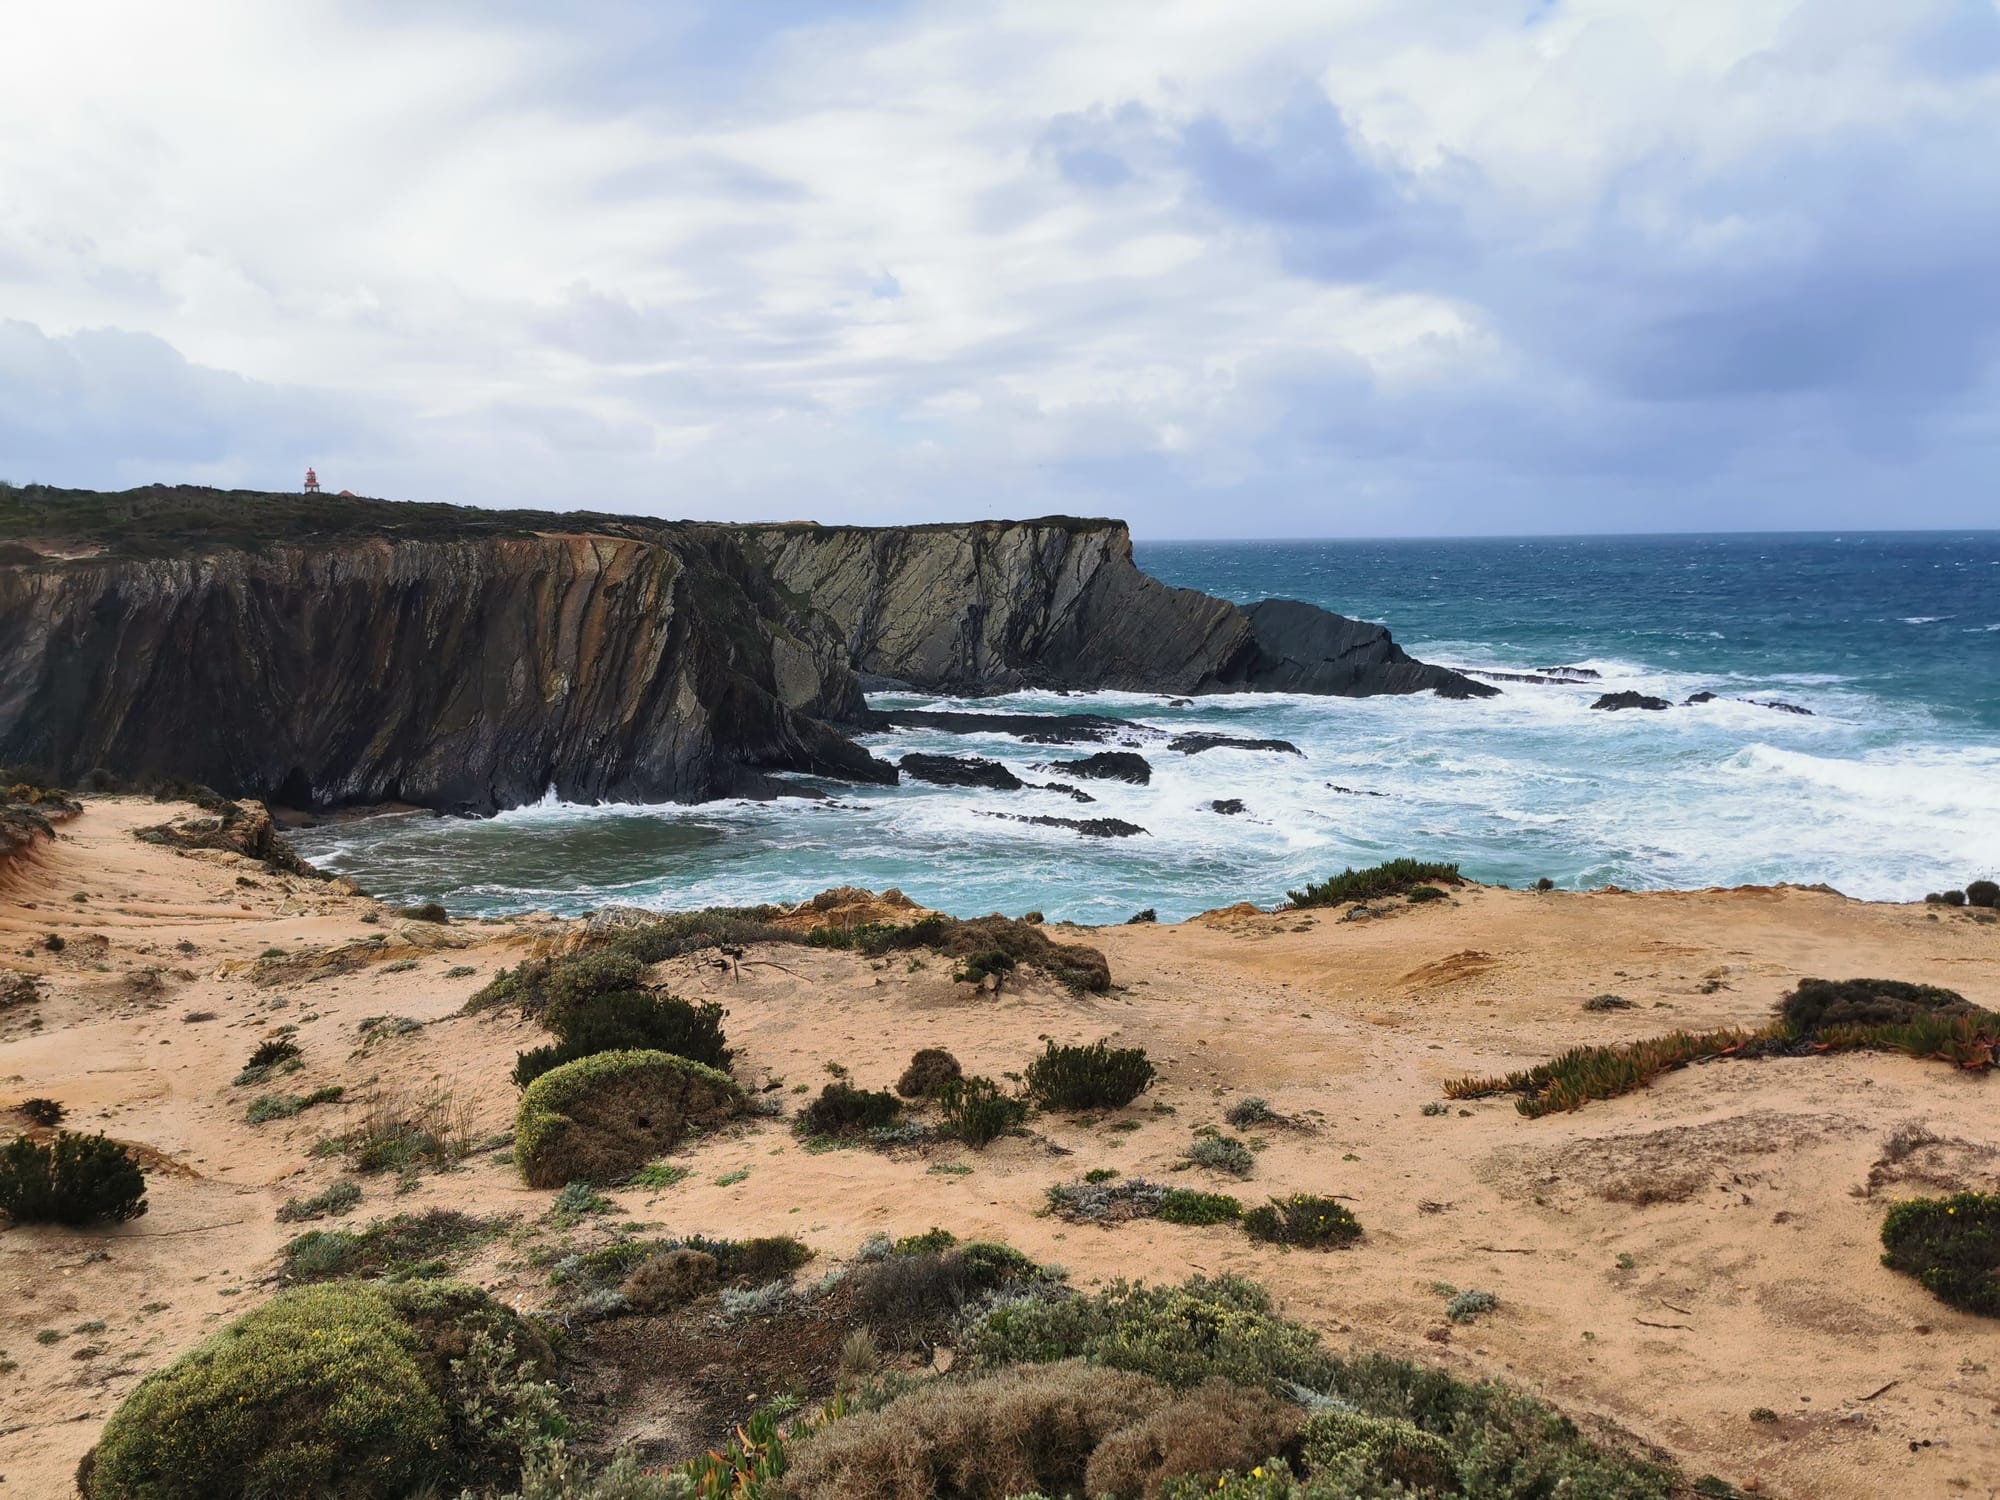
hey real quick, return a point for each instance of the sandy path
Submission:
(1665, 1262)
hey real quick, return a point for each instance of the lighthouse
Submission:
(312, 482)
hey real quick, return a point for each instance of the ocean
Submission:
(1889, 788)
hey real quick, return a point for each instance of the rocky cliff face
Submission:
(468, 674)
(991, 606)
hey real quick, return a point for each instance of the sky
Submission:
(1264, 268)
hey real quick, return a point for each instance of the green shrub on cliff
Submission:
(355, 1390)
(1098, 1076)
(1393, 877)
(601, 1118)
(1951, 1245)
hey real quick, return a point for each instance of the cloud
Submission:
(1288, 268)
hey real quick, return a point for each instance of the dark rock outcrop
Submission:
(1781, 706)
(1031, 729)
(959, 770)
(1058, 603)
(1229, 807)
(1630, 700)
(1094, 828)
(1694, 699)
(1195, 744)
(1073, 793)
(1106, 765)
(344, 651)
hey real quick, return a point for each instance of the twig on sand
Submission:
(1686, 1312)
(160, 1234)
(1880, 1391)
(1504, 1249)
(1689, 1327)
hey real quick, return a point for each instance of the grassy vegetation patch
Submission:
(1097, 1076)
(1393, 877)
(601, 1118)
(976, 1110)
(1311, 1220)
(410, 1246)
(370, 1392)
(1951, 1245)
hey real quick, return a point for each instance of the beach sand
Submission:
(1665, 1263)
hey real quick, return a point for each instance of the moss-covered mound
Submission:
(348, 1391)
(603, 1117)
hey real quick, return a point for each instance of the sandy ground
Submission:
(1665, 1263)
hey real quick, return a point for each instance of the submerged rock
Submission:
(1032, 729)
(959, 770)
(1227, 806)
(1630, 700)
(1070, 792)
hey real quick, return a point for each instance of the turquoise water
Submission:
(1891, 788)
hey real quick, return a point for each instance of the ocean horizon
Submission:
(1886, 788)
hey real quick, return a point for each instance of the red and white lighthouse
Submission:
(312, 482)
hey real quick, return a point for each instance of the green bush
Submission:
(1098, 1076)
(915, 1295)
(843, 1109)
(601, 1118)
(1183, 1335)
(977, 1112)
(930, 1069)
(1222, 1153)
(1185, 1206)
(1422, 893)
(354, 1391)
(43, 1111)
(1982, 893)
(1951, 1245)
(1391, 878)
(627, 1021)
(404, 1247)
(1815, 1005)
(1307, 1219)
(73, 1180)
(1346, 1447)
(269, 1054)
(975, 967)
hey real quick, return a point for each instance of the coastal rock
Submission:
(1630, 700)
(1697, 698)
(1095, 828)
(1350, 791)
(1031, 729)
(1571, 674)
(1227, 806)
(1070, 792)
(1058, 603)
(959, 770)
(1195, 744)
(323, 652)
(1781, 706)
(1106, 765)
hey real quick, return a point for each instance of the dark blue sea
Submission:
(1889, 787)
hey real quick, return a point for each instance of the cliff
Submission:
(329, 652)
(993, 606)
(320, 651)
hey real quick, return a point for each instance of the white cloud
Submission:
(1195, 264)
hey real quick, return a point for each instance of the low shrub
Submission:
(1391, 878)
(1222, 1153)
(1465, 1307)
(270, 1054)
(988, 963)
(1584, 1073)
(371, 1392)
(73, 1180)
(627, 1021)
(1983, 893)
(1185, 1206)
(267, 1107)
(1139, 918)
(1344, 1448)
(1601, 1003)
(43, 1111)
(977, 1112)
(670, 1279)
(1418, 894)
(1213, 1429)
(1815, 1006)
(1951, 1245)
(1306, 1219)
(601, 1118)
(1250, 1111)
(404, 1247)
(402, 1132)
(1106, 1201)
(1206, 1328)
(1018, 1432)
(843, 1109)
(341, 1198)
(1098, 1076)
(429, 911)
(929, 1071)
(915, 1296)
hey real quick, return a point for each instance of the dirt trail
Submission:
(1665, 1263)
